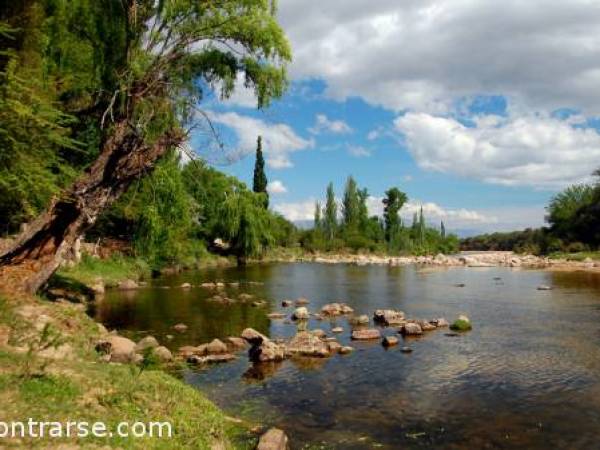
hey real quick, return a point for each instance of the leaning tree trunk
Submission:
(40, 249)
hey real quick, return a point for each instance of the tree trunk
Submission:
(39, 250)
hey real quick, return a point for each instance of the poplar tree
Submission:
(330, 219)
(392, 204)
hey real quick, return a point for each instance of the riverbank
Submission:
(50, 371)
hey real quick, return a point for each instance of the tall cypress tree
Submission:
(443, 230)
(260, 179)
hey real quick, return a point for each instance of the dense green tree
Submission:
(564, 207)
(163, 55)
(330, 217)
(393, 202)
(260, 181)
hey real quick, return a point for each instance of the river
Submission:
(526, 376)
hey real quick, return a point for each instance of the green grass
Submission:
(111, 270)
(85, 389)
(579, 256)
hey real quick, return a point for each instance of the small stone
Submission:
(319, 333)
(406, 350)
(388, 317)
(243, 296)
(544, 288)
(259, 303)
(345, 350)
(334, 346)
(169, 337)
(301, 313)
(302, 301)
(185, 286)
(337, 330)
(451, 334)
(181, 327)
(276, 316)
(126, 285)
(273, 439)
(236, 342)
(367, 334)
(389, 341)
(286, 303)
(363, 319)
(441, 322)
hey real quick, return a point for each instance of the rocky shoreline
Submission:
(474, 259)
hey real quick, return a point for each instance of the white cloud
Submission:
(358, 151)
(296, 211)
(276, 187)
(424, 54)
(323, 123)
(533, 150)
(279, 140)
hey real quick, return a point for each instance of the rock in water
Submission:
(236, 342)
(126, 285)
(544, 288)
(301, 313)
(306, 343)
(216, 346)
(363, 319)
(186, 286)
(276, 316)
(406, 350)
(389, 341)
(332, 309)
(273, 439)
(411, 329)
(388, 317)
(440, 322)
(302, 301)
(345, 350)
(337, 330)
(461, 324)
(362, 335)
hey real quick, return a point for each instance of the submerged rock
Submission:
(367, 334)
(276, 316)
(544, 288)
(389, 341)
(406, 350)
(363, 319)
(185, 286)
(345, 350)
(210, 359)
(128, 285)
(273, 439)
(337, 330)
(461, 325)
(302, 301)
(332, 309)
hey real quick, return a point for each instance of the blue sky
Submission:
(399, 95)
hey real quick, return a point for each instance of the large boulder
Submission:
(273, 439)
(301, 313)
(388, 317)
(411, 329)
(306, 343)
(267, 351)
(253, 337)
(145, 343)
(235, 342)
(120, 349)
(367, 334)
(163, 354)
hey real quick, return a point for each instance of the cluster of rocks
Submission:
(215, 351)
(119, 349)
(473, 259)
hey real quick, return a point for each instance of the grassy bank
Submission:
(579, 256)
(49, 371)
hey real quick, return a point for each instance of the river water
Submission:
(527, 376)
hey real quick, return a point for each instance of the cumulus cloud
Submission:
(276, 187)
(358, 151)
(324, 124)
(296, 211)
(533, 150)
(279, 140)
(423, 54)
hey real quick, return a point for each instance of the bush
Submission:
(461, 325)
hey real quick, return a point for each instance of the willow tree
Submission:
(174, 50)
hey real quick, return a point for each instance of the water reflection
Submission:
(527, 376)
